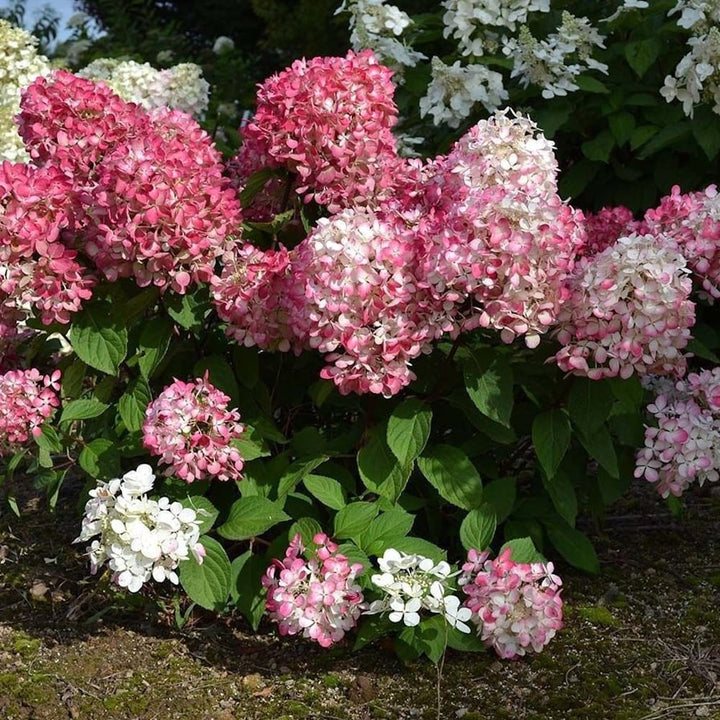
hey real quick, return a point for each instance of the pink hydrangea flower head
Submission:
(329, 120)
(189, 427)
(682, 447)
(39, 274)
(629, 312)
(29, 399)
(363, 305)
(693, 221)
(254, 295)
(72, 122)
(605, 227)
(504, 239)
(317, 598)
(516, 607)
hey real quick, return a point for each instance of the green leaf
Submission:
(562, 493)
(372, 628)
(612, 488)
(295, 473)
(551, 439)
(49, 440)
(465, 642)
(489, 383)
(206, 512)
(573, 546)
(246, 362)
(589, 403)
(189, 310)
(353, 519)
(307, 528)
(384, 530)
(428, 638)
(600, 147)
(72, 379)
(220, 375)
(326, 489)
(249, 449)
(641, 135)
(500, 494)
(478, 528)
(577, 178)
(699, 349)
(254, 184)
(251, 516)
(207, 584)
(408, 430)
(100, 459)
(641, 54)
(133, 404)
(622, 125)
(629, 394)
(666, 136)
(98, 338)
(419, 546)
(599, 446)
(381, 472)
(153, 344)
(522, 550)
(246, 588)
(450, 471)
(706, 129)
(587, 83)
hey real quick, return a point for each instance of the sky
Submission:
(33, 7)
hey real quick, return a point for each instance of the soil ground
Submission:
(641, 641)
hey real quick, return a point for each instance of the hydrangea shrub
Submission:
(351, 377)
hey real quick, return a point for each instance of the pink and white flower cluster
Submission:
(516, 607)
(317, 597)
(413, 583)
(477, 238)
(28, 400)
(190, 428)
(629, 312)
(39, 272)
(150, 198)
(139, 538)
(683, 447)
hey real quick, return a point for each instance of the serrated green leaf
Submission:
(574, 546)
(599, 446)
(706, 130)
(100, 459)
(326, 489)
(133, 404)
(478, 527)
(589, 403)
(501, 494)
(551, 439)
(207, 584)
(206, 512)
(153, 344)
(562, 493)
(72, 379)
(351, 520)
(254, 184)
(307, 528)
(98, 337)
(246, 588)
(600, 147)
(574, 181)
(189, 310)
(622, 125)
(384, 530)
(522, 550)
(251, 516)
(641, 54)
(428, 638)
(381, 472)
(408, 429)
(666, 136)
(48, 439)
(586, 83)
(295, 473)
(489, 383)
(450, 471)
(641, 135)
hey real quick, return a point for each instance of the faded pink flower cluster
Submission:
(318, 597)
(684, 446)
(190, 428)
(38, 271)
(329, 120)
(516, 607)
(28, 400)
(153, 201)
(693, 221)
(630, 311)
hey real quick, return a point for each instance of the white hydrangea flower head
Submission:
(697, 15)
(626, 7)
(470, 22)
(223, 44)
(21, 64)
(377, 26)
(181, 87)
(413, 583)
(139, 538)
(454, 90)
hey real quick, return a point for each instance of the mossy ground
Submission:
(641, 642)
